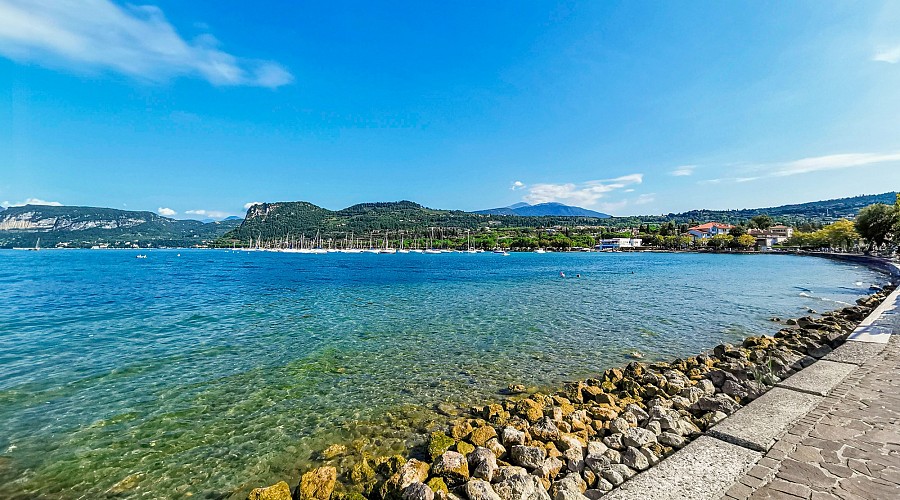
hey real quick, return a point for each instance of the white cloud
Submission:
(832, 162)
(31, 201)
(890, 55)
(754, 172)
(212, 214)
(644, 199)
(517, 185)
(168, 212)
(250, 204)
(683, 171)
(135, 40)
(585, 194)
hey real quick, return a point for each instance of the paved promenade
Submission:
(848, 446)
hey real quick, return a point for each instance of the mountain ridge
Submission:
(551, 208)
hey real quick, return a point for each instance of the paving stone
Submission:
(704, 469)
(765, 419)
(806, 473)
(779, 488)
(819, 378)
(854, 352)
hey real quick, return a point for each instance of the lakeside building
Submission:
(708, 230)
(767, 238)
(619, 243)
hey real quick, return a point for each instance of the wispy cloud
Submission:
(889, 55)
(683, 171)
(166, 212)
(585, 194)
(212, 214)
(516, 185)
(135, 40)
(30, 201)
(250, 204)
(832, 162)
(754, 172)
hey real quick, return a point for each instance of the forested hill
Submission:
(819, 211)
(289, 220)
(272, 221)
(88, 226)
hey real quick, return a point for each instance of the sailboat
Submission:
(37, 246)
(431, 249)
(469, 248)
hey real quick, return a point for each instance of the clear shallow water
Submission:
(209, 372)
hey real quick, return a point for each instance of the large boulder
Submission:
(482, 464)
(511, 437)
(413, 471)
(317, 484)
(521, 486)
(481, 435)
(545, 430)
(530, 457)
(417, 491)
(452, 466)
(438, 443)
(479, 489)
(638, 437)
(279, 491)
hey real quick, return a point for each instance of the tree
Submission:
(762, 221)
(745, 241)
(720, 240)
(875, 223)
(737, 231)
(840, 234)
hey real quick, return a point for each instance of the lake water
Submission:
(209, 372)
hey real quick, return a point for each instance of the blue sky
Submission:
(195, 109)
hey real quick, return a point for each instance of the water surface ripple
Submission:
(207, 372)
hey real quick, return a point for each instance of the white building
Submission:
(708, 230)
(618, 243)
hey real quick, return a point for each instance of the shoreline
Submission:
(593, 435)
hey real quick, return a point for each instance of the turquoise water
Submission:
(209, 372)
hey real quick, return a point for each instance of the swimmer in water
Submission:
(562, 274)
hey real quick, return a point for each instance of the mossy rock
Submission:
(279, 491)
(460, 429)
(362, 472)
(437, 484)
(438, 443)
(464, 448)
(317, 484)
(482, 435)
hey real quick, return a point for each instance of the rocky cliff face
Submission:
(37, 220)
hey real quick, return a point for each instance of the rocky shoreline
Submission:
(588, 438)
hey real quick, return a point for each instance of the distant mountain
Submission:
(544, 209)
(87, 226)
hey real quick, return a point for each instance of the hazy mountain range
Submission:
(544, 209)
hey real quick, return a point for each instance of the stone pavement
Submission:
(848, 446)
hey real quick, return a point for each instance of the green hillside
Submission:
(87, 226)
